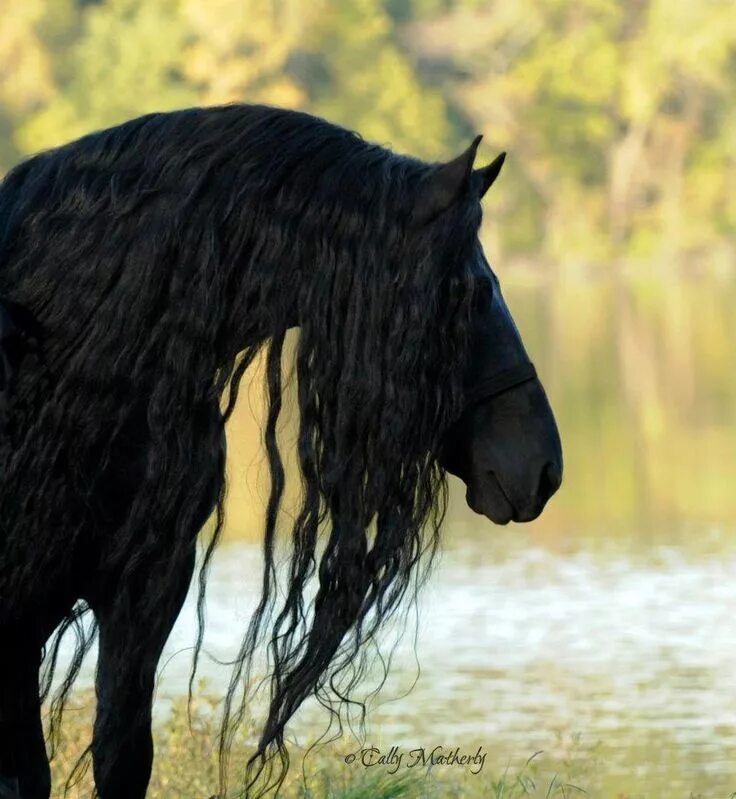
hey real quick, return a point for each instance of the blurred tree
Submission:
(125, 62)
(240, 50)
(605, 105)
(26, 70)
(623, 109)
(365, 80)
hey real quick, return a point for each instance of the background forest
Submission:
(619, 116)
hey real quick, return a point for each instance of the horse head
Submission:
(506, 446)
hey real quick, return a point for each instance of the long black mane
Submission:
(159, 258)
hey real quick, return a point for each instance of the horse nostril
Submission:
(550, 480)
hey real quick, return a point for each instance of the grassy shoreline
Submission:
(185, 767)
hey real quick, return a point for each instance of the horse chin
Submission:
(490, 501)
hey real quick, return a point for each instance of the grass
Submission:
(186, 767)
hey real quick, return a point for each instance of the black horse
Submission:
(142, 269)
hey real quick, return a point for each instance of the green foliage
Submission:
(126, 61)
(604, 106)
(623, 109)
(371, 85)
(241, 49)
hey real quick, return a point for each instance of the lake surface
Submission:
(628, 663)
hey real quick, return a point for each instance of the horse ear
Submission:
(445, 185)
(488, 174)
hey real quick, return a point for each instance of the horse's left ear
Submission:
(444, 186)
(488, 174)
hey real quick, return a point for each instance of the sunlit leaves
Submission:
(126, 61)
(617, 115)
(239, 50)
(26, 76)
(371, 84)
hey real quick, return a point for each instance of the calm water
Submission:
(529, 650)
(606, 631)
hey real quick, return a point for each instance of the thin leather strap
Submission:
(502, 381)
